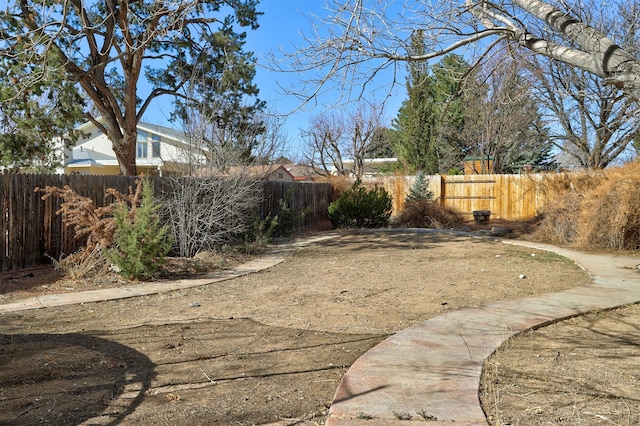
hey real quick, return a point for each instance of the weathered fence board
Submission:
(307, 200)
(32, 233)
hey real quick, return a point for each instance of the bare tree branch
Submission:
(357, 37)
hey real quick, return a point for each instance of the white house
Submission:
(159, 150)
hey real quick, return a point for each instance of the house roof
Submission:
(163, 131)
(301, 172)
(168, 132)
(89, 162)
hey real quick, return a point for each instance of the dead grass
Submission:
(592, 210)
(567, 373)
(339, 184)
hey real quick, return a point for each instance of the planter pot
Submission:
(481, 216)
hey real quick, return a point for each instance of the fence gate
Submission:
(475, 192)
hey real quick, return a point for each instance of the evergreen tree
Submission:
(419, 190)
(36, 121)
(140, 241)
(430, 120)
(452, 108)
(414, 136)
(382, 144)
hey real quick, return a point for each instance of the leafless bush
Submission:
(221, 189)
(427, 214)
(206, 212)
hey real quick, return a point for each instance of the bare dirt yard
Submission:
(271, 347)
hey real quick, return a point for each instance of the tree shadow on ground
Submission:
(68, 379)
(365, 240)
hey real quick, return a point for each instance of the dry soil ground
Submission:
(271, 347)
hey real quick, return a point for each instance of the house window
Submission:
(155, 146)
(141, 146)
(142, 150)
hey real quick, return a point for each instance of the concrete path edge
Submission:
(276, 256)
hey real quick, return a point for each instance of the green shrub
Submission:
(359, 207)
(140, 243)
(260, 232)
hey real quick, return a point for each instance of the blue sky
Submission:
(280, 27)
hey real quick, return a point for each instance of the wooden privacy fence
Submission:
(512, 197)
(309, 201)
(31, 232)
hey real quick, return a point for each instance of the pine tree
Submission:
(452, 109)
(430, 120)
(414, 137)
(140, 242)
(34, 118)
(419, 190)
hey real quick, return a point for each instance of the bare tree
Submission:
(364, 123)
(343, 142)
(324, 149)
(591, 122)
(378, 33)
(502, 120)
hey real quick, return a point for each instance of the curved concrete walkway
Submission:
(434, 368)
(276, 256)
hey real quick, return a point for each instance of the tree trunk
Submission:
(123, 141)
(126, 155)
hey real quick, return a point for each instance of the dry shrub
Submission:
(339, 184)
(93, 226)
(559, 223)
(428, 214)
(593, 210)
(611, 212)
(554, 185)
(83, 264)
